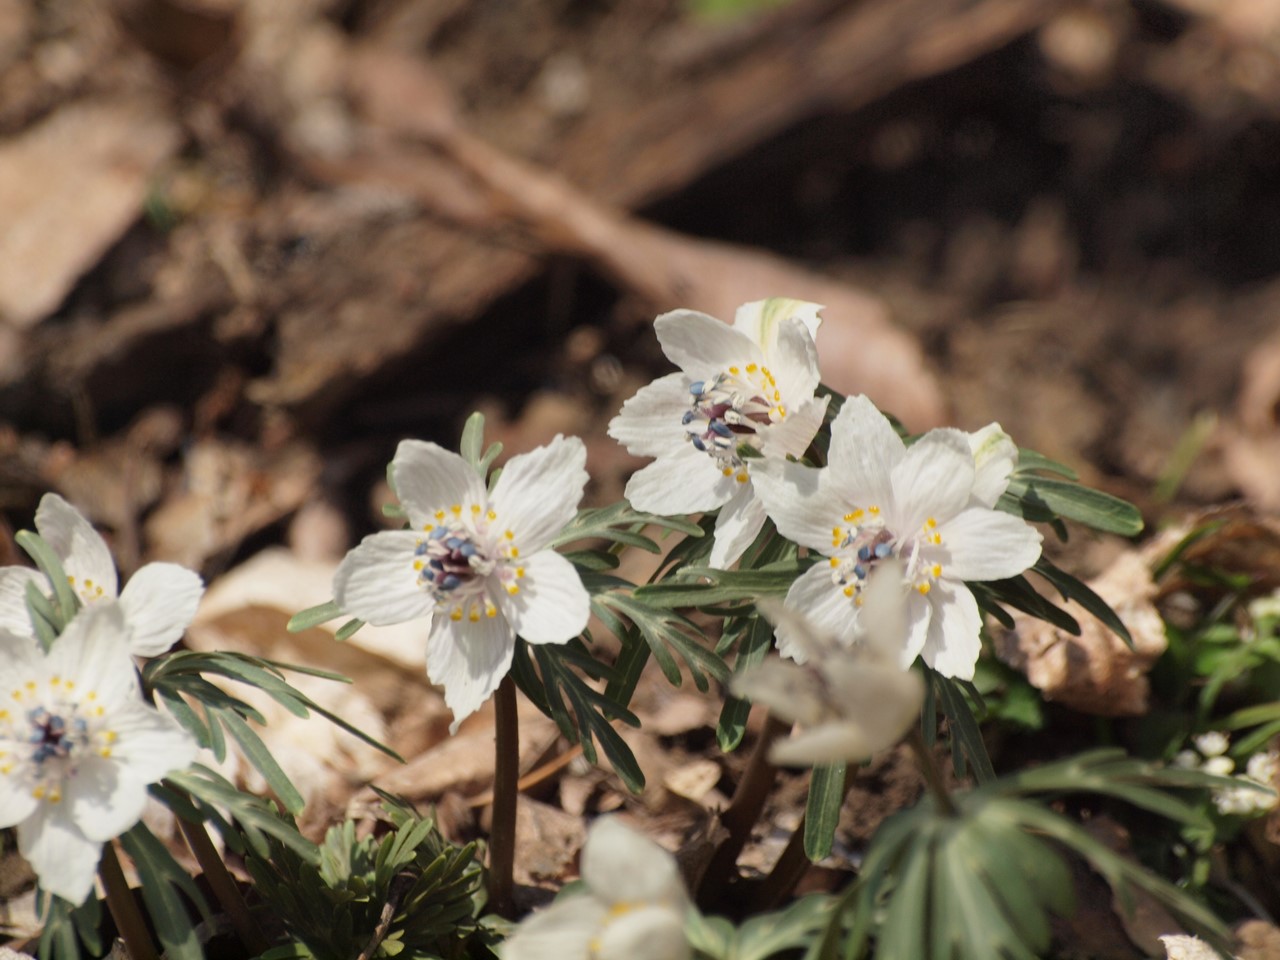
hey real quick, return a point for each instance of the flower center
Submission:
(731, 409)
(462, 556)
(862, 540)
(44, 739)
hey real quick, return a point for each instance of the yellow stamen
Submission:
(491, 515)
(512, 589)
(835, 562)
(456, 509)
(742, 477)
(752, 368)
(475, 508)
(936, 570)
(456, 614)
(923, 588)
(848, 591)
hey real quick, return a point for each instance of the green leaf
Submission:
(348, 630)
(1030, 461)
(1081, 593)
(65, 600)
(313, 616)
(753, 638)
(964, 728)
(721, 586)
(277, 780)
(822, 810)
(1091, 507)
(162, 879)
(471, 446)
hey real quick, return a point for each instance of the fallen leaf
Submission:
(69, 188)
(1095, 673)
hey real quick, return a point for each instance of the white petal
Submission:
(686, 481)
(954, 640)
(802, 502)
(563, 931)
(102, 800)
(427, 477)
(864, 449)
(919, 615)
(994, 457)
(881, 699)
(63, 858)
(23, 659)
(376, 581)
(740, 521)
(794, 362)
(151, 744)
(93, 652)
(16, 804)
(829, 611)
(539, 491)
(761, 319)
(552, 606)
(468, 660)
(702, 346)
(934, 479)
(644, 933)
(792, 692)
(620, 865)
(792, 436)
(649, 423)
(13, 597)
(828, 743)
(81, 549)
(982, 544)
(159, 602)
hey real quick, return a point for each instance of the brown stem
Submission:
(932, 776)
(744, 810)
(786, 873)
(124, 911)
(224, 887)
(506, 774)
(784, 876)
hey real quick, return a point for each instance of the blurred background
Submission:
(246, 246)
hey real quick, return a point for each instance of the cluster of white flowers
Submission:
(632, 907)
(726, 432)
(1210, 755)
(78, 744)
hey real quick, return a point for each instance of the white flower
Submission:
(633, 907)
(851, 702)
(876, 499)
(474, 564)
(1181, 947)
(158, 601)
(1212, 744)
(748, 384)
(78, 746)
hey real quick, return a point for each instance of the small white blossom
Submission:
(750, 384)
(632, 909)
(1210, 756)
(851, 702)
(1182, 947)
(159, 600)
(927, 505)
(78, 746)
(474, 564)
(1212, 744)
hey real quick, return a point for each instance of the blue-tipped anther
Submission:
(698, 388)
(468, 549)
(720, 428)
(864, 553)
(883, 550)
(860, 571)
(697, 442)
(689, 417)
(450, 581)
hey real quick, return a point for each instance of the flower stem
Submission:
(124, 910)
(224, 887)
(932, 776)
(744, 810)
(506, 774)
(786, 873)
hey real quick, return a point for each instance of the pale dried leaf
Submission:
(69, 187)
(1096, 672)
